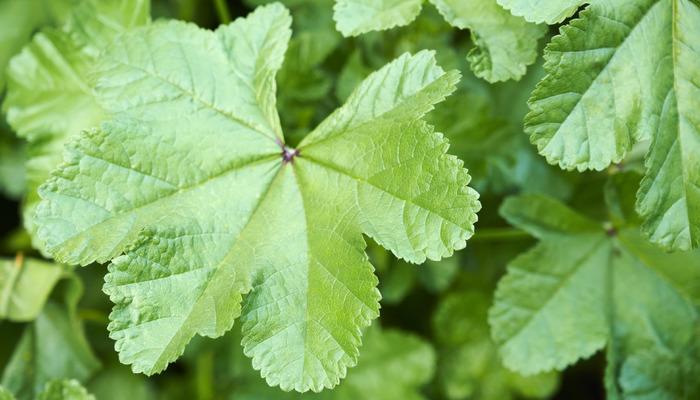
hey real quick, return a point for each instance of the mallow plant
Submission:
(347, 199)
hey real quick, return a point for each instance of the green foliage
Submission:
(288, 170)
(25, 285)
(589, 284)
(469, 364)
(53, 345)
(64, 390)
(504, 44)
(622, 73)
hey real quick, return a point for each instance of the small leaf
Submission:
(25, 285)
(354, 17)
(64, 390)
(505, 44)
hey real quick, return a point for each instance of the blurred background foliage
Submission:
(432, 339)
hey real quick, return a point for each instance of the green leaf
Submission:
(223, 207)
(624, 72)
(505, 44)
(18, 20)
(587, 285)
(50, 95)
(52, 347)
(64, 390)
(468, 363)
(538, 11)
(393, 365)
(25, 285)
(354, 17)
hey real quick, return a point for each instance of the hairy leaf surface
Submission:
(625, 72)
(223, 207)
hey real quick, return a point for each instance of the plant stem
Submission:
(495, 234)
(222, 11)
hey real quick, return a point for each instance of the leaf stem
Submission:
(222, 11)
(494, 234)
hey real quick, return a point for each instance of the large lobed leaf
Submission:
(587, 285)
(191, 180)
(625, 72)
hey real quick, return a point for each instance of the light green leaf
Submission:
(25, 285)
(625, 72)
(53, 346)
(50, 93)
(581, 289)
(223, 206)
(64, 390)
(505, 44)
(354, 17)
(538, 11)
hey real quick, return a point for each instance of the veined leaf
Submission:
(624, 72)
(354, 17)
(538, 11)
(25, 285)
(505, 44)
(224, 207)
(587, 285)
(50, 94)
